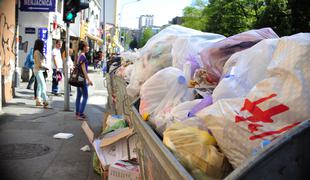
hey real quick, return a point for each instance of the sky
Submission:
(163, 11)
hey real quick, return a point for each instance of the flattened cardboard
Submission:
(115, 136)
(89, 133)
(114, 152)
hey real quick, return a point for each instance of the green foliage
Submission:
(229, 17)
(193, 18)
(127, 39)
(147, 34)
(277, 16)
(300, 15)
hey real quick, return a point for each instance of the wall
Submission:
(44, 20)
(7, 47)
(26, 19)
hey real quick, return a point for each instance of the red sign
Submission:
(260, 117)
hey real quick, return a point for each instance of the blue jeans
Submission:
(55, 86)
(80, 106)
(41, 86)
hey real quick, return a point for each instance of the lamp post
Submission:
(104, 33)
(120, 16)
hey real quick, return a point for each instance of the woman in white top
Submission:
(39, 68)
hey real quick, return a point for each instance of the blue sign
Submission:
(30, 30)
(43, 35)
(37, 5)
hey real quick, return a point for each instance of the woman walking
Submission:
(39, 68)
(82, 63)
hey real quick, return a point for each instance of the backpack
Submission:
(29, 62)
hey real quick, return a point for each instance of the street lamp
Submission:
(104, 33)
(120, 16)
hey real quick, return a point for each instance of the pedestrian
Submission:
(82, 62)
(70, 63)
(29, 64)
(57, 64)
(39, 68)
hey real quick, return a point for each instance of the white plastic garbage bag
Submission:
(215, 57)
(244, 69)
(186, 49)
(172, 46)
(181, 111)
(156, 59)
(130, 55)
(275, 105)
(163, 91)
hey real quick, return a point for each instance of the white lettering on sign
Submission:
(38, 2)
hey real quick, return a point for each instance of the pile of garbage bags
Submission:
(215, 100)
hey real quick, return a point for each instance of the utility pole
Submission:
(71, 8)
(104, 33)
(67, 96)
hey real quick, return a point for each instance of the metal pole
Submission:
(104, 33)
(66, 85)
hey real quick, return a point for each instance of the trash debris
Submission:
(85, 148)
(63, 136)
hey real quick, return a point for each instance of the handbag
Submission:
(77, 78)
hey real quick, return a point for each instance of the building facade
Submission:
(48, 26)
(8, 49)
(146, 21)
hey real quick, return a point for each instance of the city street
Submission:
(27, 147)
(177, 90)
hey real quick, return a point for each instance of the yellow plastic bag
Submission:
(196, 150)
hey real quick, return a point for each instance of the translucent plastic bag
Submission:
(244, 69)
(214, 57)
(172, 46)
(196, 150)
(272, 107)
(187, 48)
(151, 62)
(163, 91)
(181, 111)
(114, 119)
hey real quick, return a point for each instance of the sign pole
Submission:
(104, 33)
(66, 85)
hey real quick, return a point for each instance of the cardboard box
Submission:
(112, 147)
(124, 171)
(112, 153)
(115, 136)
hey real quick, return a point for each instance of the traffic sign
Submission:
(37, 6)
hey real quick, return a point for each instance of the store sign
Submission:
(43, 35)
(30, 30)
(37, 5)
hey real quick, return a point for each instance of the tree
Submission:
(230, 17)
(277, 16)
(147, 34)
(133, 44)
(300, 13)
(193, 16)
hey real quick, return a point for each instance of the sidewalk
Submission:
(27, 147)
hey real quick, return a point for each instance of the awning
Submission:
(98, 40)
(71, 33)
